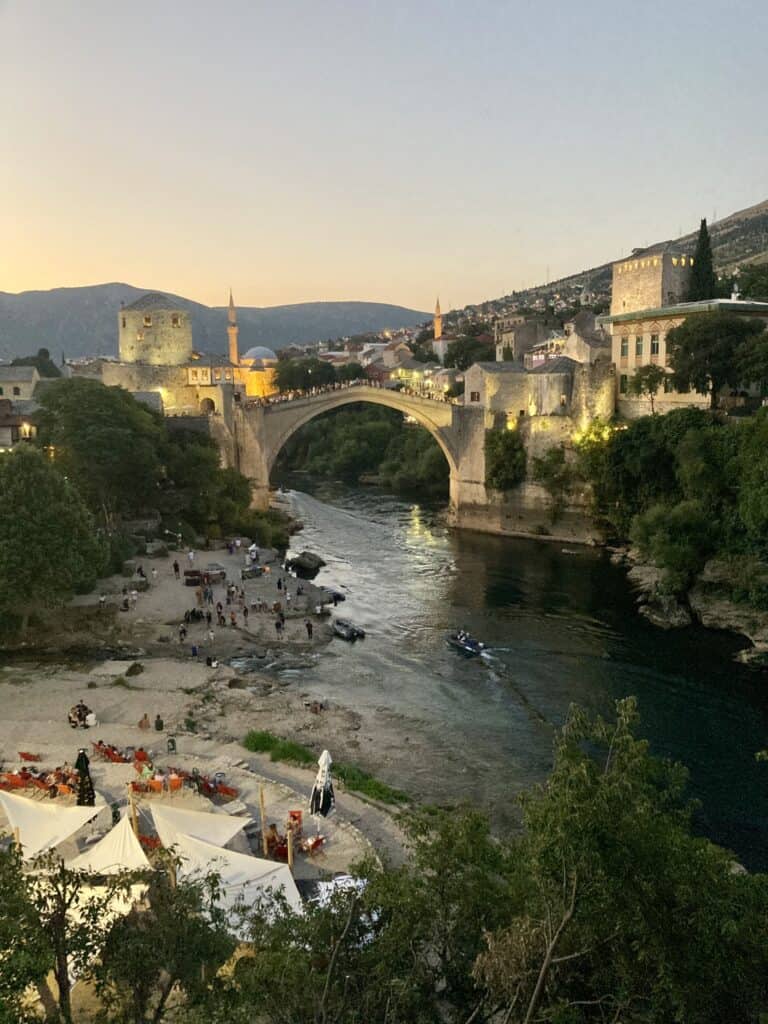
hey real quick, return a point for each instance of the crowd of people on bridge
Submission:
(323, 389)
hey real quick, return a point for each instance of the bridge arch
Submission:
(282, 420)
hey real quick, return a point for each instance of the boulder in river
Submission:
(307, 564)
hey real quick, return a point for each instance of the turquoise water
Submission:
(563, 628)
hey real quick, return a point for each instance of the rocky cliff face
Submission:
(707, 602)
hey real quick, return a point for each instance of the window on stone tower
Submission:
(639, 345)
(123, 321)
(654, 344)
(17, 391)
(1, 391)
(474, 396)
(147, 321)
(624, 347)
(623, 384)
(175, 320)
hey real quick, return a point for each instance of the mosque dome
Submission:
(259, 354)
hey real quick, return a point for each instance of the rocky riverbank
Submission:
(708, 602)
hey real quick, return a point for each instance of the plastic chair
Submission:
(155, 786)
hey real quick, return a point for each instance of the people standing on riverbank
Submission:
(176, 569)
(309, 627)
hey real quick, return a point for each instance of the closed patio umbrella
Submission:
(322, 799)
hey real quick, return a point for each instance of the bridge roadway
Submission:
(265, 426)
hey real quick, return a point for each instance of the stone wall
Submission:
(525, 512)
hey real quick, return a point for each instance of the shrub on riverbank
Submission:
(505, 459)
(684, 487)
(354, 778)
(262, 742)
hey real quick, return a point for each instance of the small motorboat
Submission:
(347, 630)
(462, 641)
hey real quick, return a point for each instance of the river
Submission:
(562, 627)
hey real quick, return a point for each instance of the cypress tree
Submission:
(703, 281)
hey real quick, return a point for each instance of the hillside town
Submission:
(624, 326)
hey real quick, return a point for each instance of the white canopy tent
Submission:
(43, 826)
(242, 877)
(216, 829)
(119, 850)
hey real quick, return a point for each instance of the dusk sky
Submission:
(380, 151)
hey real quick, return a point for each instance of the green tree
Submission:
(753, 361)
(706, 351)
(106, 442)
(25, 956)
(179, 940)
(49, 548)
(678, 538)
(753, 281)
(42, 361)
(350, 371)
(703, 283)
(752, 475)
(303, 374)
(554, 472)
(399, 951)
(646, 382)
(467, 350)
(55, 919)
(622, 914)
(505, 459)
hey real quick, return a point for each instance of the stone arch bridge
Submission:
(262, 430)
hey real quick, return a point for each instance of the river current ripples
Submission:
(562, 627)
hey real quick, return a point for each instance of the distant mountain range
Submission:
(739, 238)
(83, 321)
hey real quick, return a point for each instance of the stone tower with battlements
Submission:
(155, 331)
(650, 280)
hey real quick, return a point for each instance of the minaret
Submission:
(234, 354)
(437, 322)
